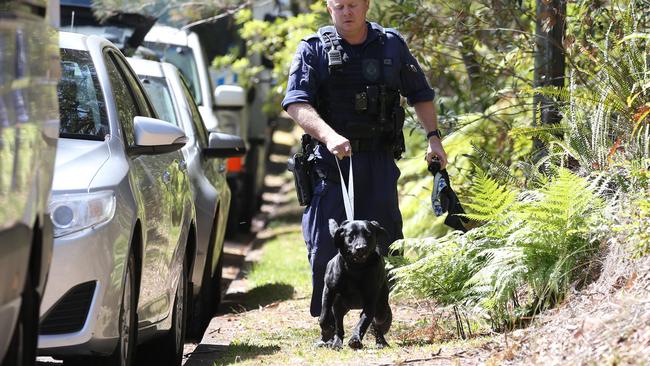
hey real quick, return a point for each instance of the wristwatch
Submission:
(435, 132)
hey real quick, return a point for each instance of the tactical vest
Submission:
(355, 100)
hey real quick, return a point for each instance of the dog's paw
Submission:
(323, 344)
(381, 342)
(337, 343)
(355, 343)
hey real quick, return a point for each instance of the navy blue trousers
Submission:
(375, 198)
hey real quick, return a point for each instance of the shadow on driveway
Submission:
(209, 354)
(255, 298)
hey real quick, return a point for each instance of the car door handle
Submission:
(166, 177)
(182, 165)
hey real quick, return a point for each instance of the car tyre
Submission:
(203, 309)
(22, 349)
(125, 351)
(168, 349)
(215, 283)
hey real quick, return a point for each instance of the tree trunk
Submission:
(549, 58)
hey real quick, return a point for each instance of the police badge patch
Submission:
(370, 69)
(295, 64)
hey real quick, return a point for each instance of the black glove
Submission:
(444, 199)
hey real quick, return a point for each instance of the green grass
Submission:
(284, 264)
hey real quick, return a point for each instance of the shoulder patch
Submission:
(394, 32)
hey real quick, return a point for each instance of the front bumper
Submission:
(87, 273)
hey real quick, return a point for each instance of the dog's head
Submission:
(357, 239)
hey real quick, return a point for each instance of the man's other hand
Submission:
(435, 149)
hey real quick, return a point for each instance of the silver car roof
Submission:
(146, 67)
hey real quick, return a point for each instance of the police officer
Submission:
(343, 90)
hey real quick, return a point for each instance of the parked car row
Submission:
(112, 189)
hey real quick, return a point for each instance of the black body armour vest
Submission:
(355, 100)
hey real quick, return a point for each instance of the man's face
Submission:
(348, 16)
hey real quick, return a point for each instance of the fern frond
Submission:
(488, 199)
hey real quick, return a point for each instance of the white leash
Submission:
(348, 192)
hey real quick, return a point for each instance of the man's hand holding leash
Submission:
(338, 145)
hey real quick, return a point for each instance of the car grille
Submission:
(69, 314)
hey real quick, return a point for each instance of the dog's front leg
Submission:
(359, 331)
(326, 319)
(339, 311)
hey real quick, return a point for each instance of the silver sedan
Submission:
(122, 213)
(204, 153)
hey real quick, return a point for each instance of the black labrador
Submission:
(355, 279)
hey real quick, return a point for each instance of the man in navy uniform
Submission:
(344, 90)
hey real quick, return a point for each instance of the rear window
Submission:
(159, 94)
(183, 58)
(81, 102)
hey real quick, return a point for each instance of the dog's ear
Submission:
(380, 233)
(336, 233)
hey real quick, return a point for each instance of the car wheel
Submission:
(234, 212)
(203, 307)
(168, 350)
(22, 349)
(215, 283)
(125, 350)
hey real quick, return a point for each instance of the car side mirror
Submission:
(223, 145)
(154, 136)
(229, 97)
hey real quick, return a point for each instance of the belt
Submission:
(363, 145)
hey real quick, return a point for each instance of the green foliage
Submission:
(473, 51)
(634, 223)
(435, 268)
(277, 41)
(176, 12)
(607, 102)
(532, 246)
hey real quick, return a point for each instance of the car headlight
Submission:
(74, 212)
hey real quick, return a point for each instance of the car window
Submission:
(158, 91)
(183, 58)
(124, 101)
(81, 101)
(146, 109)
(197, 122)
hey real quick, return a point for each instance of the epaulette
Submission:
(394, 32)
(311, 37)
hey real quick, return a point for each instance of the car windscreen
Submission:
(183, 58)
(81, 101)
(158, 91)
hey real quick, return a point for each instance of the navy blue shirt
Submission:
(309, 68)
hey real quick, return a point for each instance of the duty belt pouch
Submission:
(299, 166)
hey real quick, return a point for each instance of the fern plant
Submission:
(607, 103)
(532, 246)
